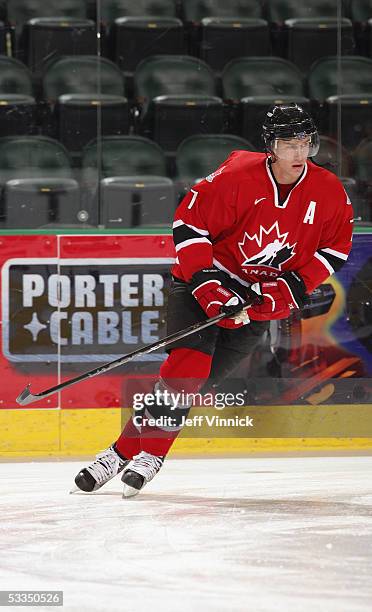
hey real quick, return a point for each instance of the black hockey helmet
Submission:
(287, 121)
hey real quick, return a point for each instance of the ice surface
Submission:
(257, 534)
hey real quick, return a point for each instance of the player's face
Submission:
(291, 155)
(293, 150)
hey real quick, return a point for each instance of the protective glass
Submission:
(298, 147)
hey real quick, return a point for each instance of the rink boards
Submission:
(111, 295)
(73, 433)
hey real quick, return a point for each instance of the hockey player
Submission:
(273, 222)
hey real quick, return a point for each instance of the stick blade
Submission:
(26, 397)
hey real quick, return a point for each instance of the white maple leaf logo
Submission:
(274, 249)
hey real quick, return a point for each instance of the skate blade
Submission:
(75, 490)
(129, 491)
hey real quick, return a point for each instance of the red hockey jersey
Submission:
(234, 220)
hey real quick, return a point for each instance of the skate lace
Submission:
(147, 465)
(105, 466)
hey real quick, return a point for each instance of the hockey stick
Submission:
(26, 397)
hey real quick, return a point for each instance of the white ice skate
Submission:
(107, 465)
(140, 471)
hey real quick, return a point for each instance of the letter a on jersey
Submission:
(310, 213)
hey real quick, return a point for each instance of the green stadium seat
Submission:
(134, 38)
(37, 182)
(23, 157)
(171, 119)
(138, 201)
(261, 76)
(334, 158)
(178, 99)
(351, 113)
(225, 38)
(199, 156)
(78, 117)
(87, 95)
(162, 75)
(196, 10)
(122, 156)
(15, 77)
(280, 10)
(362, 157)
(21, 11)
(361, 10)
(325, 79)
(360, 198)
(309, 39)
(360, 14)
(45, 39)
(113, 9)
(117, 156)
(82, 74)
(34, 203)
(364, 37)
